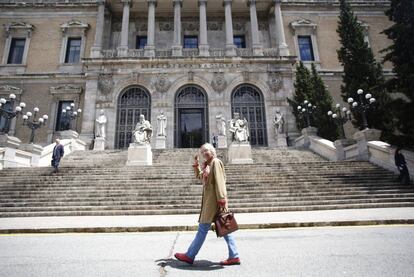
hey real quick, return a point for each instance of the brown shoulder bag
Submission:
(225, 223)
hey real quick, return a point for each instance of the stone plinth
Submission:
(36, 151)
(222, 142)
(69, 134)
(362, 138)
(240, 153)
(340, 145)
(306, 133)
(160, 142)
(139, 154)
(9, 141)
(99, 144)
(281, 140)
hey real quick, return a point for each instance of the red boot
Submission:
(230, 261)
(184, 258)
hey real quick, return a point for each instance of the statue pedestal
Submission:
(160, 142)
(139, 154)
(281, 140)
(340, 145)
(69, 134)
(99, 144)
(222, 142)
(240, 153)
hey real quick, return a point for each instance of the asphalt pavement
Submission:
(316, 251)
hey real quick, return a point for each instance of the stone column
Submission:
(230, 47)
(150, 47)
(89, 106)
(123, 47)
(257, 47)
(280, 32)
(203, 43)
(177, 48)
(100, 22)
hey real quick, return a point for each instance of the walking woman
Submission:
(214, 197)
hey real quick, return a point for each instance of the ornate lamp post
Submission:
(8, 113)
(71, 114)
(307, 109)
(340, 117)
(362, 106)
(34, 123)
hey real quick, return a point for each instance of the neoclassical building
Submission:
(193, 60)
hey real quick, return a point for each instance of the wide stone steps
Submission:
(99, 183)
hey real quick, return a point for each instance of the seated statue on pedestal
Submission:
(143, 131)
(239, 128)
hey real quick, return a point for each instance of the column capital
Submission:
(250, 2)
(154, 2)
(127, 2)
(277, 1)
(227, 2)
(175, 2)
(200, 2)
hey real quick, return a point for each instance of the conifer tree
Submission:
(401, 54)
(361, 71)
(309, 86)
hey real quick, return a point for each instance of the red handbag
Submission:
(225, 223)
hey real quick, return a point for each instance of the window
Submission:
(73, 50)
(63, 121)
(141, 42)
(239, 41)
(305, 48)
(190, 42)
(16, 51)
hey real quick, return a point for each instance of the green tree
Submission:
(361, 71)
(401, 54)
(309, 86)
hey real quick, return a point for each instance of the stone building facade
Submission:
(191, 59)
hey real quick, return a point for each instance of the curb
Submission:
(181, 228)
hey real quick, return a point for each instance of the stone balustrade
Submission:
(193, 52)
(364, 147)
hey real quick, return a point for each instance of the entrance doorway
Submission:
(191, 127)
(131, 103)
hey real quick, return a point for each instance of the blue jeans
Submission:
(200, 237)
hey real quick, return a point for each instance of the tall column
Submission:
(203, 43)
(177, 48)
(123, 47)
(280, 31)
(100, 22)
(230, 47)
(89, 107)
(150, 47)
(257, 47)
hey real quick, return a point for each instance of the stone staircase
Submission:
(98, 183)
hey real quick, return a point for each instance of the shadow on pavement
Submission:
(202, 265)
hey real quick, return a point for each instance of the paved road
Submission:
(338, 251)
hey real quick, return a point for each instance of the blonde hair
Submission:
(209, 147)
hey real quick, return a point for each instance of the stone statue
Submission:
(101, 124)
(143, 131)
(161, 124)
(279, 122)
(221, 124)
(239, 128)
